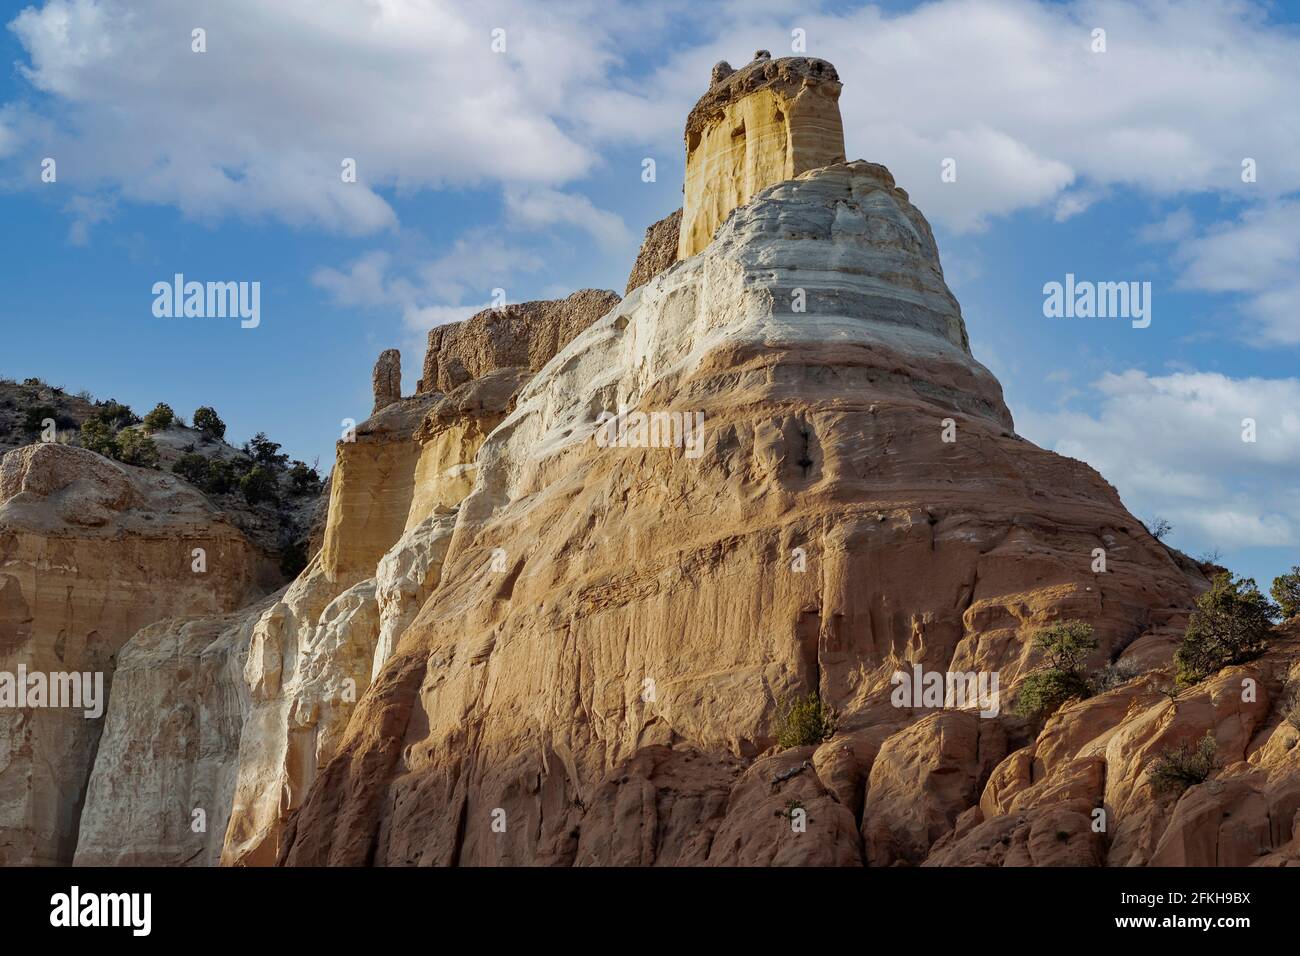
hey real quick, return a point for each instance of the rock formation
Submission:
(387, 379)
(827, 367)
(255, 702)
(90, 551)
(566, 590)
(765, 123)
(658, 251)
(523, 335)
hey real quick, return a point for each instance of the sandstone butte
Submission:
(516, 646)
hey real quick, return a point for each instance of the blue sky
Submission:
(522, 170)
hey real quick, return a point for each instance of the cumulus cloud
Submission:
(537, 207)
(425, 293)
(259, 124)
(1173, 444)
(1257, 255)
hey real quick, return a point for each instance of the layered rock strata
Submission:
(762, 124)
(597, 677)
(255, 702)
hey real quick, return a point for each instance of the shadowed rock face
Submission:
(658, 251)
(599, 664)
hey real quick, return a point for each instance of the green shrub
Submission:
(1044, 691)
(1231, 624)
(1066, 644)
(1176, 770)
(1286, 592)
(264, 452)
(193, 468)
(221, 477)
(304, 480)
(804, 721)
(116, 415)
(34, 419)
(98, 437)
(258, 485)
(134, 447)
(209, 423)
(160, 419)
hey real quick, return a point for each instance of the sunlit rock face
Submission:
(90, 552)
(767, 122)
(595, 677)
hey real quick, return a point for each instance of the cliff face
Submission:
(595, 679)
(90, 551)
(765, 123)
(522, 335)
(658, 251)
(233, 715)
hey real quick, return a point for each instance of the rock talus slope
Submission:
(595, 679)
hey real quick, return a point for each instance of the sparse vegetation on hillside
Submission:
(161, 418)
(1286, 592)
(116, 415)
(259, 485)
(1067, 645)
(271, 497)
(1158, 527)
(1231, 625)
(134, 447)
(1185, 766)
(207, 421)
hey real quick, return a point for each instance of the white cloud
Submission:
(434, 292)
(410, 88)
(1257, 255)
(261, 122)
(1011, 90)
(536, 207)
(1175, 227)
(1173, 444)
(87, 211)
